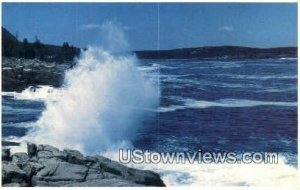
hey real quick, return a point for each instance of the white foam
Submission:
(103, 103)
(225, 65)
(41, 92)
(289, 58)
(163, 66)
(202, 104)
(104, 100)
(193, 174)
(260, 77)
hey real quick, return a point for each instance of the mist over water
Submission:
(113, 38)
(102, 104)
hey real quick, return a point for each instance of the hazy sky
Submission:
(152, 25)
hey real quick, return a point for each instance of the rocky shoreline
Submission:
(18, 73)
(45, 165)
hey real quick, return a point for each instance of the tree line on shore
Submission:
(12, 47)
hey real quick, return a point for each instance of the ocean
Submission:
(209, 104)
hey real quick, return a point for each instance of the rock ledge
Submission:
(45, 165)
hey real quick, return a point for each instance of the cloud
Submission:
(226, 29)
(90, 26)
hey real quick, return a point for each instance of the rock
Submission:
(47, 148)
(6, 154)
(47, 152)
(143, 177)
(95, 174)
(75, 157)
(31, 149)
(20, 158)
(31, 168)
(19, 74)
(110, 182)
(11, 173)
(113, 167)
(12, 185)
(60, 172)
(45, 165)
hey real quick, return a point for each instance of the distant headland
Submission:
(12, 47)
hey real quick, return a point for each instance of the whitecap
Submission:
(40, 92)
(229, 103)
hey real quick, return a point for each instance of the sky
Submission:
(150, 26)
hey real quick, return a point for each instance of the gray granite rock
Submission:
(31, 149)
(108, 182)
(6, 154)
(64, 172)
(20, 158)
(11, 173)
(18, 74)
(47, 152)
(45, 165)
(144, 177)
(12, 185)
(75, 157)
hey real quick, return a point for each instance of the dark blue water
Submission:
(265, 125)
(212, 105)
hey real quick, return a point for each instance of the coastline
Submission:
(45, 165)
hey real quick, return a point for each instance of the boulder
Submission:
(11, 173)
(63, 172)
(31, 169)
(47, 152)
(75, 157)
(20, 158)
(6, 154)
(31, 149)
(45, 165)
(144, 177)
